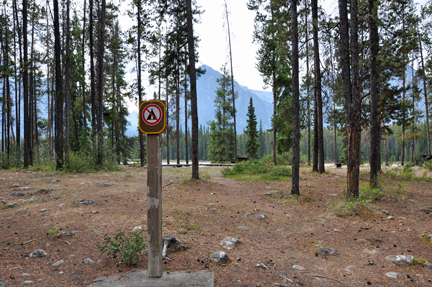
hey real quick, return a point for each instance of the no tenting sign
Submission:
(152, 117)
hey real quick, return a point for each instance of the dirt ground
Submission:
(202, 213)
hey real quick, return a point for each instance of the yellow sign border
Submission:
(164, 117)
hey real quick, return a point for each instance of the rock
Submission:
(261, 217)
(42, 190)
(2, 282)
(428, 266)
(390, 218)
(25, 275)
(229, 243)
(27, 183)
(17, 193)
(337, 230)
(298, 267)
(219, 257)
(393, 275)
(271, 192)
(43, 210)
(102, 184)
(55, 180)
(324, 251)
(51, 189)
(89, 261)
(401, 259)
(65, 234)
(58, 263)
(85, 201)
(16, 185)
(385, 212)
(61, 205)
(261, 265)
(34, 198)
(94, 212)
(248, 214)
(242, 228)
(26, 201)
(137, 229)
(168, 240)
(28, 282)
(38, 253)
(12, 204)
(334, 194)
(24, 188)
(362, 240)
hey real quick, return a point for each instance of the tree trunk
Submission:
(375, 140)
(67, 83)
(425, 98)
(186, 114)
(177, 114)
(354, 134)
(385, 149)
(27, 135)
(295, 186)
(318, 97)
(141, 136)
(307, 84)
(17, 79)
(101, 52)
(351, 97)
(83, 83)
(232, 83)
(59, 90)
(167, 119)
(92, 71)
(194, 104)
(48, 82)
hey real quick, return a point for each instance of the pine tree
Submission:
(222, 128)
(252, 146)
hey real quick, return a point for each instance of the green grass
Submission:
(262, 170)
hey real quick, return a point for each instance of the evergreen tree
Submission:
(252, 145)
(222, 128)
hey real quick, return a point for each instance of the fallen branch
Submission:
(27, 242)
(287, 279)
(325, 277)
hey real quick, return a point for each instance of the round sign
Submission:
(152, 114)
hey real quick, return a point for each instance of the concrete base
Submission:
(140, 278)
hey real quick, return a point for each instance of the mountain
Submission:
(206, 90)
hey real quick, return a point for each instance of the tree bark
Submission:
(318, 97)
(167, 119)
(375, 140)
(307, 84)
(232, 83)
(27, 134)
(141, 136)
(295, 186)
(101, 52)
(67, 83)
(59, 90)
(186, 114)
(92, 71)
(83, 84)
(425, 98)
(194, 104)
(177, 114)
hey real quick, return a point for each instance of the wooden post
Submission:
(154, 205)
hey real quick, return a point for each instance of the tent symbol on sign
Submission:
(151, 116)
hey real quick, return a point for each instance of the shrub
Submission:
(129, 247)
(351, 207)
(368, 193)
(80, 163)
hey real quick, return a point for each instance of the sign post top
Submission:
(152, 117)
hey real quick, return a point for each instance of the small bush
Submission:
(351, 207)
(407, 172)
(263, 170)
(368, 193)
(53, 231)
(129, 247)
(80, 163)
(428, 164)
